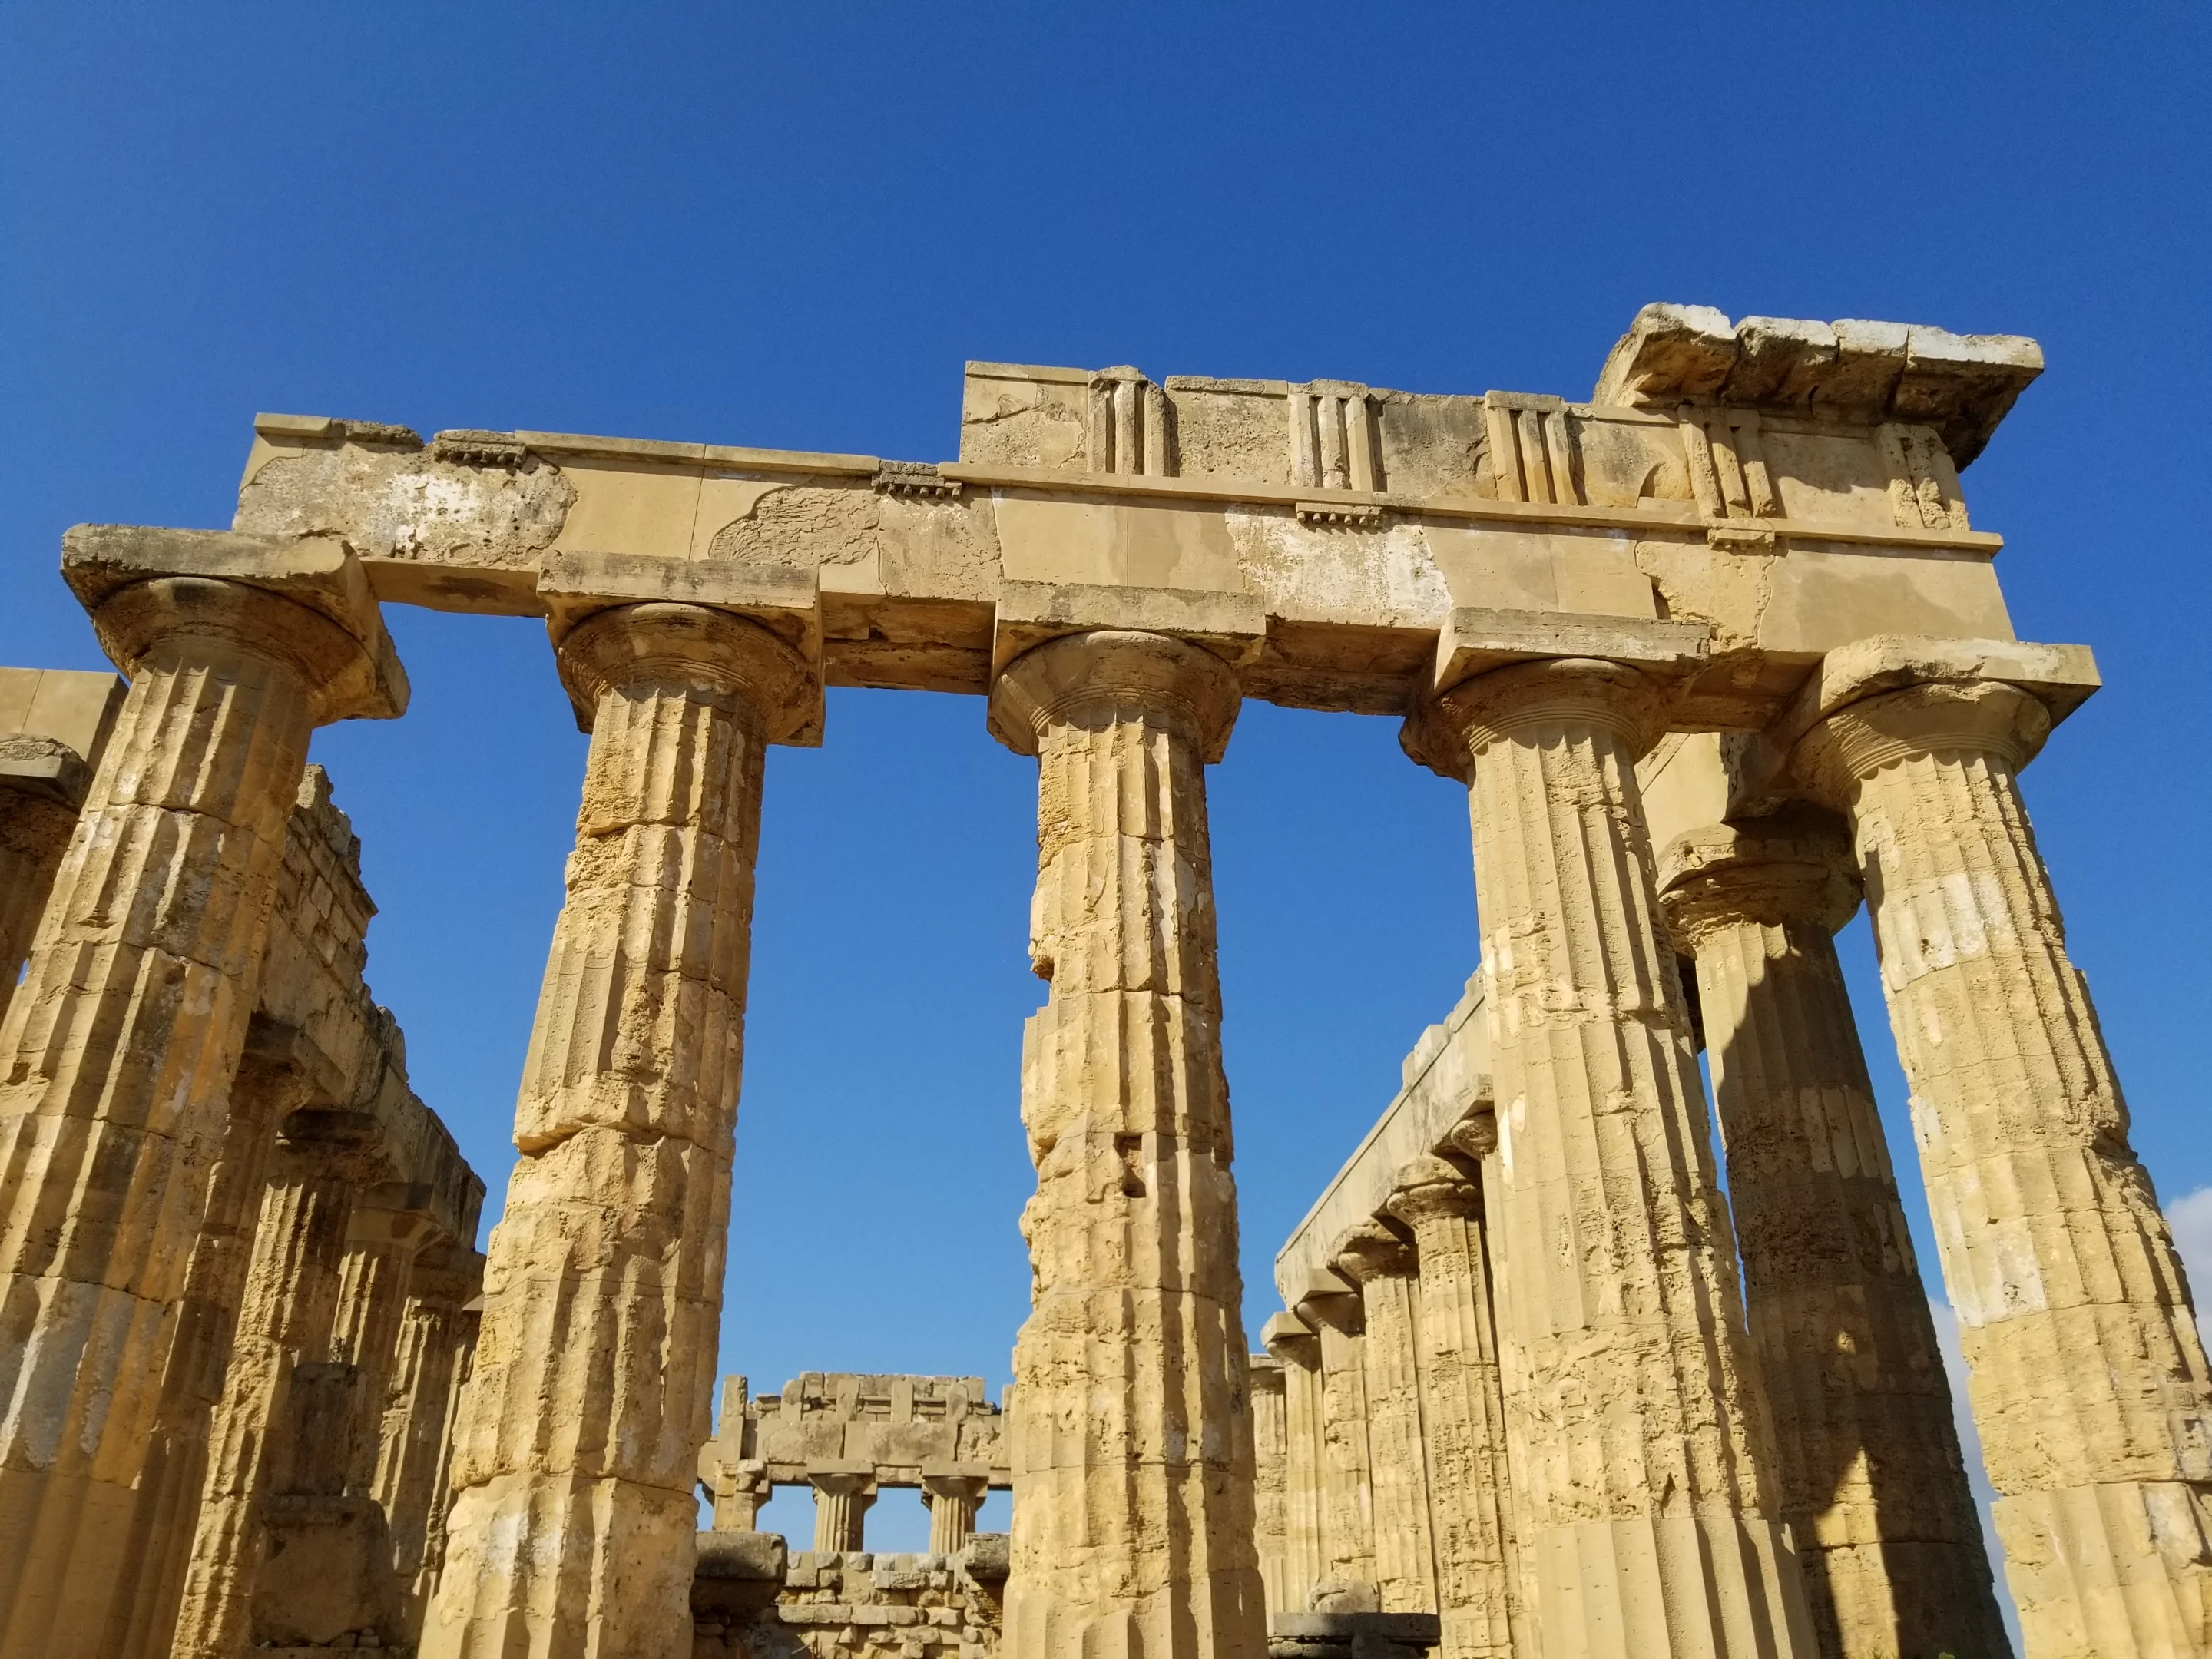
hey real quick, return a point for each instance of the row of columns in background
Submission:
(1646, 1487)
(234, 1336)
(842, 1502)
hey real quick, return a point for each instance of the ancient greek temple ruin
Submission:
(1567, 1362)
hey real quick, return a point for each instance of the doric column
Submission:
(1293, 1344)
(1347, 1492)
(1271, 1478)
(842, 1502)
(412, 1459)
(269, 1085)
(576, 1456)
(1131, 1441)
(1382, 1265)
(2086, 1373)
(284, 1323)
(383, 1235)
(953, 1500)
(419, 1596)
(1650, 1511)
(1872, 1480)
(1463, 1412)
(117, 1050)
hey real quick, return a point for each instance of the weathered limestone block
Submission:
(1462, 1413)
(1649, 1519)
(581, 1425)
(1131, 1434)
(1293, 1346)
(2088, 1378)
(1872, 1478)
(1382, 1265)
(752, 1600)
(269, 1438)
(117, 1051)
(53, 724)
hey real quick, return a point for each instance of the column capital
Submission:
(1291, 1340)
(1796, 868)
(1081, 678)
(1372, 1252)
(1430, 1189)
(303, 602)
(1987, 718)
(1448, 733)
(689, 646)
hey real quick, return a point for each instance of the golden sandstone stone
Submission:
(1717, 655)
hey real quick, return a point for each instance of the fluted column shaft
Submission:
(1872, 1478)
(842, 1502)
(141, 1621)
(1299, 1350)
(423, 1591)
(1650, 1514)
(1271, 1478)
(412, 1443)
(2087, 1376)
(285, 1320)
(116, 1057)
(1347, 1490)
(1131, 1439)
(1463, 1416)
(953, 1500)
(1383, 1266)
(373, 1302)
(578, 1444)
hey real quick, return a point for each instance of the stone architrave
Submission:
(1463, 1412)
(1649, 1516)
(575, 1457)
(284, 1326)
(412, 1443)
(269, 1084)
(2086, 1373)
(1132, 1451)
(117, 1049)
(1383, 1265)
(1872, 1478)
(1294, 1346)
(842, 1502)
(953, 1500)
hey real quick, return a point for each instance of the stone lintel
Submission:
(318, 573)
(1233, 626)
(1475, 638)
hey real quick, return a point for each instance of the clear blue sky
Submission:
(789, 227)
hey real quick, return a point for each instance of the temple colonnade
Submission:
(1536, 1377)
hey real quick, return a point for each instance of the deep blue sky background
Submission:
(788, 228)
